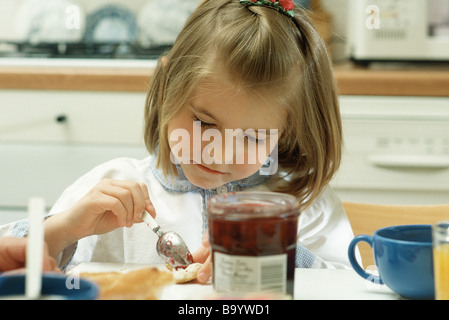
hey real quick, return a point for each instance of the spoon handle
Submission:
(147, 218)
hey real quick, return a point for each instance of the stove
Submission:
(81, 50)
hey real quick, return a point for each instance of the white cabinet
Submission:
(396, 150)
(41, 156)
(71, 117)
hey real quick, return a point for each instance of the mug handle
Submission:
(355, 264)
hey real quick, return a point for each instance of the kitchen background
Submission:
(396, 146)
(139, 28)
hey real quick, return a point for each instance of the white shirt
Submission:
(324, 230)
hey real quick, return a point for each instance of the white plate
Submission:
(186, 291)
(50, 21)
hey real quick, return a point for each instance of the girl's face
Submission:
(224, 134)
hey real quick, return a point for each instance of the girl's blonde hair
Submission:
(262, 49)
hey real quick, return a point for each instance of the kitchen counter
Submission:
(393, 80)
(68, 74)
(134, 76)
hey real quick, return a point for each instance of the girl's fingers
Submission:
(147, 205)
(205, 241)
(126, 200)
(140, 197)
(150, 209)
(201, 254)
(108, 202)
(205, 271)
(121, 203)
(134, 197)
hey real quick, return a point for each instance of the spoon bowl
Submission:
(172, 248)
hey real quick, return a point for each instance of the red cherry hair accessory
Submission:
(283, 6)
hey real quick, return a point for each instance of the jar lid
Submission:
(253, 204)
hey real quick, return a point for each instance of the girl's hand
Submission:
(202, 255)
(111, 204)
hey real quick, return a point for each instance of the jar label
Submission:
(250, 274)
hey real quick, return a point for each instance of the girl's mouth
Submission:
(208, 170)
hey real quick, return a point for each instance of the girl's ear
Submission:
(164, 60)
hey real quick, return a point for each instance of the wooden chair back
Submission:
(367, 218)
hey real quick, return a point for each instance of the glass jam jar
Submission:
(253, 238)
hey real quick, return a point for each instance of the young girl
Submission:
(236, 66)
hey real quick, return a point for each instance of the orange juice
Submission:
(441, 268)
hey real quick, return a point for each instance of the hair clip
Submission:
(283, 6)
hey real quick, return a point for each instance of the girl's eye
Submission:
(255, 140)
(202, 123)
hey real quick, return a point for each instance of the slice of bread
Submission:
(141, 284)
(187, 274)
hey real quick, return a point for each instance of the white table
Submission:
(310, 284)
(337, 284)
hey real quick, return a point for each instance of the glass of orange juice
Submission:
(440, 235)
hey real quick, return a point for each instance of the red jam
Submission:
(253, 235)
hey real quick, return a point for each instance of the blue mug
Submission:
(404, 259)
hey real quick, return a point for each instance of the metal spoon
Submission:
(170, 246)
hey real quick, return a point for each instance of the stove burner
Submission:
(83, 50)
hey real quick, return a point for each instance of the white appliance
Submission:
(405, 30)
(396, 150)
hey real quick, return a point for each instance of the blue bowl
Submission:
(54, 286)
